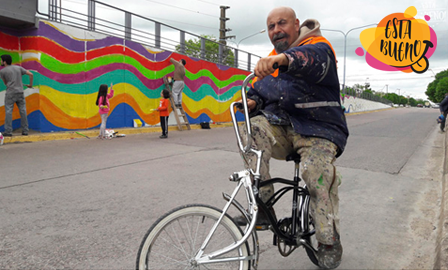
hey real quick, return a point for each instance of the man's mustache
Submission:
(279, 36)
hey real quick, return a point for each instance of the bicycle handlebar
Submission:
(243, 105)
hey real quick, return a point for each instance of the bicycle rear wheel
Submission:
(174, 240)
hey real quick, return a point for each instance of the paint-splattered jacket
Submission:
(305, 94)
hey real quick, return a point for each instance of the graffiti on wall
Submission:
(70, 64)
(354, 104)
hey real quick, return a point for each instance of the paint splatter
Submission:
(321, 180)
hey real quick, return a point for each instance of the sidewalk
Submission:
(441, 261)
(34, 136)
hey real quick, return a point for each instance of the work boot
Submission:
(330, 256)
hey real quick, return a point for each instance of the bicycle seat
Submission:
(293, 156)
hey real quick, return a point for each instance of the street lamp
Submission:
(432, 72)
(259, 32)
(345, 43)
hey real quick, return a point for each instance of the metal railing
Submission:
(365, 95)
(109, 20)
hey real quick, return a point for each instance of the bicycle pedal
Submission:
(262, 227)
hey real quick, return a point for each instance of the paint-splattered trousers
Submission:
(317, 170)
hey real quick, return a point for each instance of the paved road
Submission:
(86, 204)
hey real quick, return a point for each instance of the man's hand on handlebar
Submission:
(265, 66)
(251, 104)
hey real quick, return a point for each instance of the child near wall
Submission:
(102, 101)
(164, 112)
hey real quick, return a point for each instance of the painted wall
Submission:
(353, 104)
(69, 64)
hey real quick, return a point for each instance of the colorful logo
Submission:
(400, 42)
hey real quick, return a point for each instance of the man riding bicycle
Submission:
(298, 109)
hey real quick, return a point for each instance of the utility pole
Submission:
(222, 26)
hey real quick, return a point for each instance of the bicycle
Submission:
(203, 237)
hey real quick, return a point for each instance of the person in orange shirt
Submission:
(164, 112)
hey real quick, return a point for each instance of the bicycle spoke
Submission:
(171, 242)
(197, 232)
(189, 235)
(179, 241)
(174, 240)
(174, 261)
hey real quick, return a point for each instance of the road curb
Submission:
(441, 259)
(371, 111)
(93, 133)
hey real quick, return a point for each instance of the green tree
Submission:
(394, 98)
(419, 101)
(441, 88)
(435, 92)
(193, 49)
(368, 91)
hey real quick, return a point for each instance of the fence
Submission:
(365, 95)
(95, 16)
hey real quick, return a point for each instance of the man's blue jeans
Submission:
(19, 99)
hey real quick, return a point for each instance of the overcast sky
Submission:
(249, 17)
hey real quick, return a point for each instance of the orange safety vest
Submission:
(310, 40)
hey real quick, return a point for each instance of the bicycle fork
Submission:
(244, 180)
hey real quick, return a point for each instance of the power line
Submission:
(387, 74)
(182, 8)
(209, 3)
(393, 79)
(105, 7)
(183, 23)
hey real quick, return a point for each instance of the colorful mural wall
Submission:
(69, 64)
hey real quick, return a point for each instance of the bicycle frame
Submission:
(254, 203)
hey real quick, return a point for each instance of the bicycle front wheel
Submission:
(174, 240)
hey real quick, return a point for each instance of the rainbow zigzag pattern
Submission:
(68, 72)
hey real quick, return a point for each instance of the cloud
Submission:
(248, 17)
